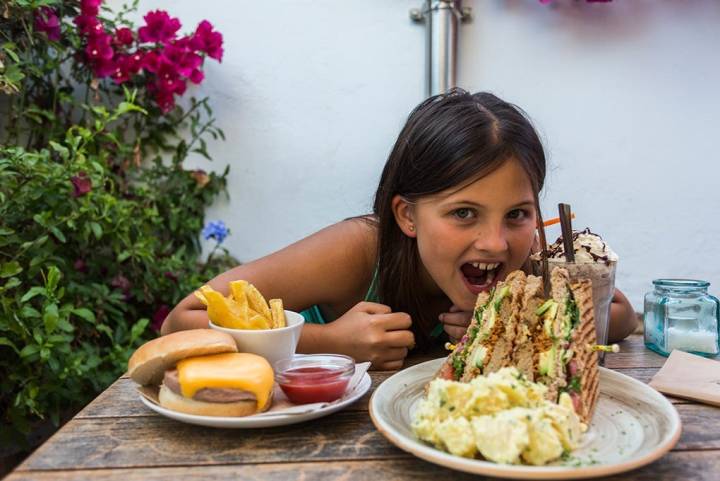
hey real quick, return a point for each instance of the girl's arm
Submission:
(623, 319)
(328, 267)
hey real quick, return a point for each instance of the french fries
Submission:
(278, 313)
(244, 308)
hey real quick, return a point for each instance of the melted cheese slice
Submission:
(247, 372)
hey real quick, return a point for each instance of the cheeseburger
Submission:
(200, 372)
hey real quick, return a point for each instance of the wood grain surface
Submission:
(116, 437)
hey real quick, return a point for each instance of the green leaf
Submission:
(11, 283)
(6, 231)
(29, 312)
(64, 325)
(29, 350)
(97, 229)
(58, 234)
(125, 107)
(84, 313)
(51, 317)
(10, 269)
(138, 328)
(4, 341)
(9, 48)
(52, 279)
(60, 149)
(34, 291)
(124, 255)
(105, 329)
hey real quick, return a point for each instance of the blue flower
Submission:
(216, 230)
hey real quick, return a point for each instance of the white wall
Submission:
(312, 93)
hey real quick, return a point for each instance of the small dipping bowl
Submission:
(311, 378)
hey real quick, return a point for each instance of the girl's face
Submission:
(469, 239)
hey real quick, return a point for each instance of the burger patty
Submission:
(208, 394)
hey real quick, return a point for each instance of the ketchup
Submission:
(303, 385)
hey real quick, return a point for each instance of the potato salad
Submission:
(501, 416)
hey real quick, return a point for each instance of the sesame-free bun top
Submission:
(149, 362)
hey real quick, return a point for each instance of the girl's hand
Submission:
(372, 332)
(455, 322)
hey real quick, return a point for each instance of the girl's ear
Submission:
(404, 215)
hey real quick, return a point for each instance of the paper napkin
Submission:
(689, 376)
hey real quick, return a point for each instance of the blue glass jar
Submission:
(680, 314)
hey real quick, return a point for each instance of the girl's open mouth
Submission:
(480, 276)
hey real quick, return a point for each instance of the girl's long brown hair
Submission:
(449, 140)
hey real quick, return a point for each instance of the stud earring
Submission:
(412, 228)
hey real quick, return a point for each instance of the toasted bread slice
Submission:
(523, 356)
(584, 356)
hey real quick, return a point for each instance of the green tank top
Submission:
(313, 315)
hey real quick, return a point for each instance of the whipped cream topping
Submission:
(589, 248)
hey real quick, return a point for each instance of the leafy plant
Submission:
(99, 218)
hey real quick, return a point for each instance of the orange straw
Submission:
(556, 220)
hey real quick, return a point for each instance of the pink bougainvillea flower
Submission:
(196, 76)
(98, 48)
(165, 100)
(90, 7)
(159, 27)
(171, 276)
(89, 25)
(134, 62)
(47, 21)
(169, 79)
(121, 282)
(151, 61)
(103, 68)
(180, 55)
(122, 71)
(207, 40)
(123, 36)
(159, 316)
(81, 184)
(80, 265)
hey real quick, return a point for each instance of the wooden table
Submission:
(116, 437)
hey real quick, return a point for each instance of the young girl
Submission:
(456, 210)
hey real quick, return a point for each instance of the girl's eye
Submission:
(463, 213)
(518, 214)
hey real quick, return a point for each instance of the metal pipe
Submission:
(441, 46)
(441, 17)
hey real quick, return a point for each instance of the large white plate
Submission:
(264, 421)
(633, 425)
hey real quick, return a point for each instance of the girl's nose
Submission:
(491, 239)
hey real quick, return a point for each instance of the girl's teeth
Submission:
(484, 266)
